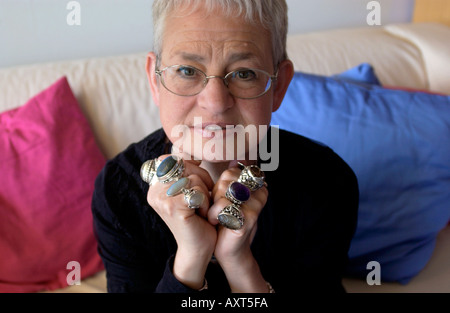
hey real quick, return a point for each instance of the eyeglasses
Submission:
(244, 83)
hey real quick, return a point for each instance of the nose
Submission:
(215, 97)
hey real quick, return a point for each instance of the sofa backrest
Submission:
(114, 94)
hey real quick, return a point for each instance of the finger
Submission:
(193, 168)
(215, 209)
(198, 184)
(220, 188)
(249, 215)
(252, 206)
(259, 196)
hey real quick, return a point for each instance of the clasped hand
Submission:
(198, 233)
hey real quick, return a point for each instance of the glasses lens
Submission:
(183, 80)
(248, 83)
(243, 83)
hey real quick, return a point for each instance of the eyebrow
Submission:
(235, 57)
(191, 57)
(241, 56)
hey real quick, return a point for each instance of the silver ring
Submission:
(251, 176)
(193, 198)
(170, 169)
(237, 192)
(178, 187)
(231, 217)
(148, 170)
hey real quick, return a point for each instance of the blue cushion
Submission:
(398, 144)
(362, 74)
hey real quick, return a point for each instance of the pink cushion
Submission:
(48, 163)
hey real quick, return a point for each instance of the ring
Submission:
(193, 198)
(170, 169)
(237, 192)
(231, 217)
(178, 187)
(148, 170)
(251, 176)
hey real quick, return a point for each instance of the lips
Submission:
(210, 130)
(213, 127)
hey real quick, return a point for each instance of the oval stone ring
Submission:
(231, 217)
(193, 198)
(170, 169)
(237, 192)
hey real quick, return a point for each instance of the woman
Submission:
(219, 66)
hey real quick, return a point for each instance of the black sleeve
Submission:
(313, 201)
(169, 284)
(329, 228)
(133, 242)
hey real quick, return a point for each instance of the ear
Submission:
(285, 74)
(151, 75)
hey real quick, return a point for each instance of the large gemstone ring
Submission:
(251, 176)
(237, 192)
(193, 198)
(231, 217)
(170, 169)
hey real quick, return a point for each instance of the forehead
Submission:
(204, 37)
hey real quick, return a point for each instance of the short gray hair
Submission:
(272, 14)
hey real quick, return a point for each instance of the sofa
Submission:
(378, 96)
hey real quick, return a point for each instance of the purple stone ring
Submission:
(237, 192)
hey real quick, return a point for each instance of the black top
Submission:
(304, 230)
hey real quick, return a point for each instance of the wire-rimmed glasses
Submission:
(244, 83)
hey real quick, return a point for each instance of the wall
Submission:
(37, 30)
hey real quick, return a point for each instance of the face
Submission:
(201, 125)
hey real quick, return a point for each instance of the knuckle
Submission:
(230, 174)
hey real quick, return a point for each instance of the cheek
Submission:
(173, 110)
(258, 113)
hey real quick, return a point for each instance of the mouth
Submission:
(210, 130)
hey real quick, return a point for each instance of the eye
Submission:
(244, 74)
(186, 71)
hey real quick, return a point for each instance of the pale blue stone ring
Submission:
(178, 187)
(193, 198)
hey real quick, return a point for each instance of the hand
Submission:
(233, 246)
(195, 237)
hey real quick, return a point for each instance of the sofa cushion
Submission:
(397, 143)
(49, 160)
(397, 62)
(432, 41)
